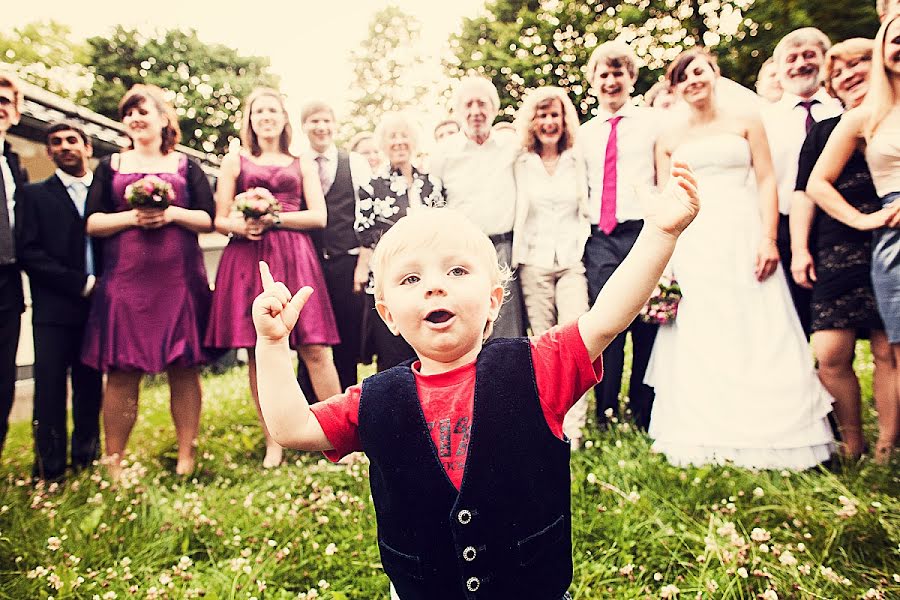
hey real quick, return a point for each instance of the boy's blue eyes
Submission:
(455, 272)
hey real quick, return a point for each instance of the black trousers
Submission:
(802, 297)
(10, 323)
(602, 256)
(348, 311)
(57, 350)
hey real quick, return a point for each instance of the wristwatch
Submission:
(276, 221)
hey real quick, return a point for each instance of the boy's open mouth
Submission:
(439, 316)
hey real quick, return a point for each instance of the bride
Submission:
(733, 375)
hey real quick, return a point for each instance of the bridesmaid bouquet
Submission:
(662, 307)
(149, 192)
(256, 202)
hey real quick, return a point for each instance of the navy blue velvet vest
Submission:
(507, 532)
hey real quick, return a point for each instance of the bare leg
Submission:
(184, 403)
(120, 404)
(322, 374)
(274, 452)
(834, 350)
(886, 389)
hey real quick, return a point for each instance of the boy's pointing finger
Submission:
(267, 281)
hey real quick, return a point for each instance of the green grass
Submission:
(237, 531)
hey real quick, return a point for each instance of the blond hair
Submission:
(539, 98)
(845, 51)
(249, 139)
(427, 228)
(880, 98)
(614, 54)
(11, 82)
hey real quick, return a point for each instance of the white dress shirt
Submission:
(78, 194)
(479, 179)
(10, 184)
(785, 124)
(551, 227)
(360, 171)
(79, 198)
(636, 136)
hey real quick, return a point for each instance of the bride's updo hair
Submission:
(675, 74)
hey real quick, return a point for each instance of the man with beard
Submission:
(476, 168)
(618, 146)
(799, 57)
(12, 303)
(59, 261)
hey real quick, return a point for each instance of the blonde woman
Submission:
(551, 220)
(874, 126)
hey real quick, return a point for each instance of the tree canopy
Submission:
(521, 44)
(206, 82)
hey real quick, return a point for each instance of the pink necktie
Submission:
(810, 121)
(610, 174)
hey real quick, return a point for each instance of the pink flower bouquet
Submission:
(256, 202)
(149, 192)
(662, 307)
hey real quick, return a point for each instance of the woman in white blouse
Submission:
(552, 224)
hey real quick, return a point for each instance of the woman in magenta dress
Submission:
(281, 241)
(152, 300)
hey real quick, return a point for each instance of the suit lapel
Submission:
(58, 190)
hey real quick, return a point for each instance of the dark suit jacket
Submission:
(11, 297)
(50, 248)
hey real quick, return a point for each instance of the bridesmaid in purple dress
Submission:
(265, 162)
(150, 307)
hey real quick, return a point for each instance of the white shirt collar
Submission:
(68, 180)
(2, 145)
(330, 154)
(789, 100)
(627, 110)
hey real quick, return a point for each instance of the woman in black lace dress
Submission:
(386, 199)
(843, 303)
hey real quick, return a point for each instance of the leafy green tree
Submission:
(44, 54)
(521, 44)
(389, 71)
(206, 82)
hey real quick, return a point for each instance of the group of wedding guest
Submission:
(782, 246)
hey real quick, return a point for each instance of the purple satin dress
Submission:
(292, 260)
(150, 308)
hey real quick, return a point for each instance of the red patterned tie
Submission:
(610, 174)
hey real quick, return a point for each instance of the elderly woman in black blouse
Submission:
(843, 302)
(387, 198)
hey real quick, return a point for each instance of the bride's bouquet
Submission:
(149, 192)
(256, 202)
(662, 307)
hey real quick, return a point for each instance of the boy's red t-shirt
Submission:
(563, 372)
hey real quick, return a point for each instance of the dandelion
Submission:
(742, 572)
(657, 576)
(330, 549)
(591, 478)
(324, 584)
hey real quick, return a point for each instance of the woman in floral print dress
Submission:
(387, 198)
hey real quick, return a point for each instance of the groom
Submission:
(618, 145)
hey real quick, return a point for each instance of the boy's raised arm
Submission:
(620, 300)
(284, 408)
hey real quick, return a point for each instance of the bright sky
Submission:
(309, 43)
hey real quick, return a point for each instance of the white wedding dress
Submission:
(733, 375)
